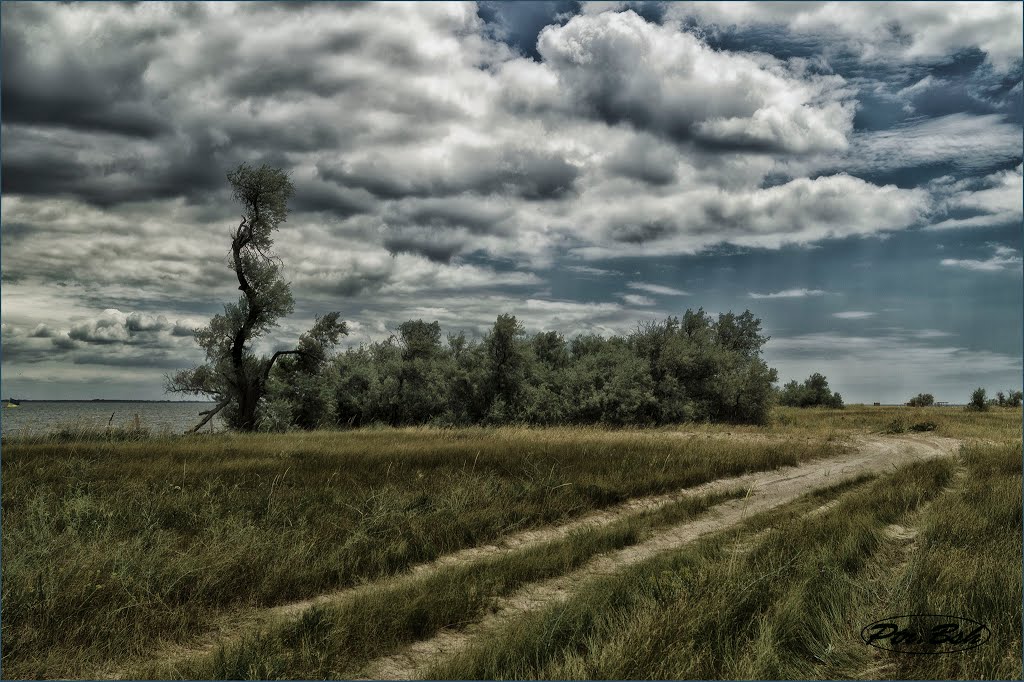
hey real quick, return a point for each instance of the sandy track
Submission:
(768, 490)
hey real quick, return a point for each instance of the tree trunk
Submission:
(248, 401)
(248, 393)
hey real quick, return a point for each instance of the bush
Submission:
(899, 425)
(922, 400)
(978, 401)
(813, 393)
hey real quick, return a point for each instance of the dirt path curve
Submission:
(768, 490)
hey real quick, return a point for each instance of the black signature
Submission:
(925, 633)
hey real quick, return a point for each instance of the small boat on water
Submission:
(11, 402)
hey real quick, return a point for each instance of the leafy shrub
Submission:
(924, 426)
(978, 401)
(922, 400)
(813, 393)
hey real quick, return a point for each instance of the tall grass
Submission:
(969, 564)
(333, 642)
(111, 547)
(772, 612)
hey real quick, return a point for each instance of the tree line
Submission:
(688, 368)
(980, 401)
(680, 369)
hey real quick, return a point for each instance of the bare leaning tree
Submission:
(233, 375)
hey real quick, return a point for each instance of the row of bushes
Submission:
(980, 400)
(814, 392)
(681, 369)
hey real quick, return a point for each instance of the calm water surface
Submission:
(44, 417)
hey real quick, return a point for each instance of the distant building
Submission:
(876, 404)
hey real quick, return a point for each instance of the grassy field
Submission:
(117, 551)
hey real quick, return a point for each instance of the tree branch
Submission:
(210, 414)
(275, 356)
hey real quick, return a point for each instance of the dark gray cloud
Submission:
(477, 217)
(443, 227)
(13, 230)
(52, 82)
(633, 232)
(161, 360)
(184, 329)
(90, 172)
(523, 172)
(426, 244)
(24, 351)
(342, 202)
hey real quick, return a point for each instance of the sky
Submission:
(848, 171)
